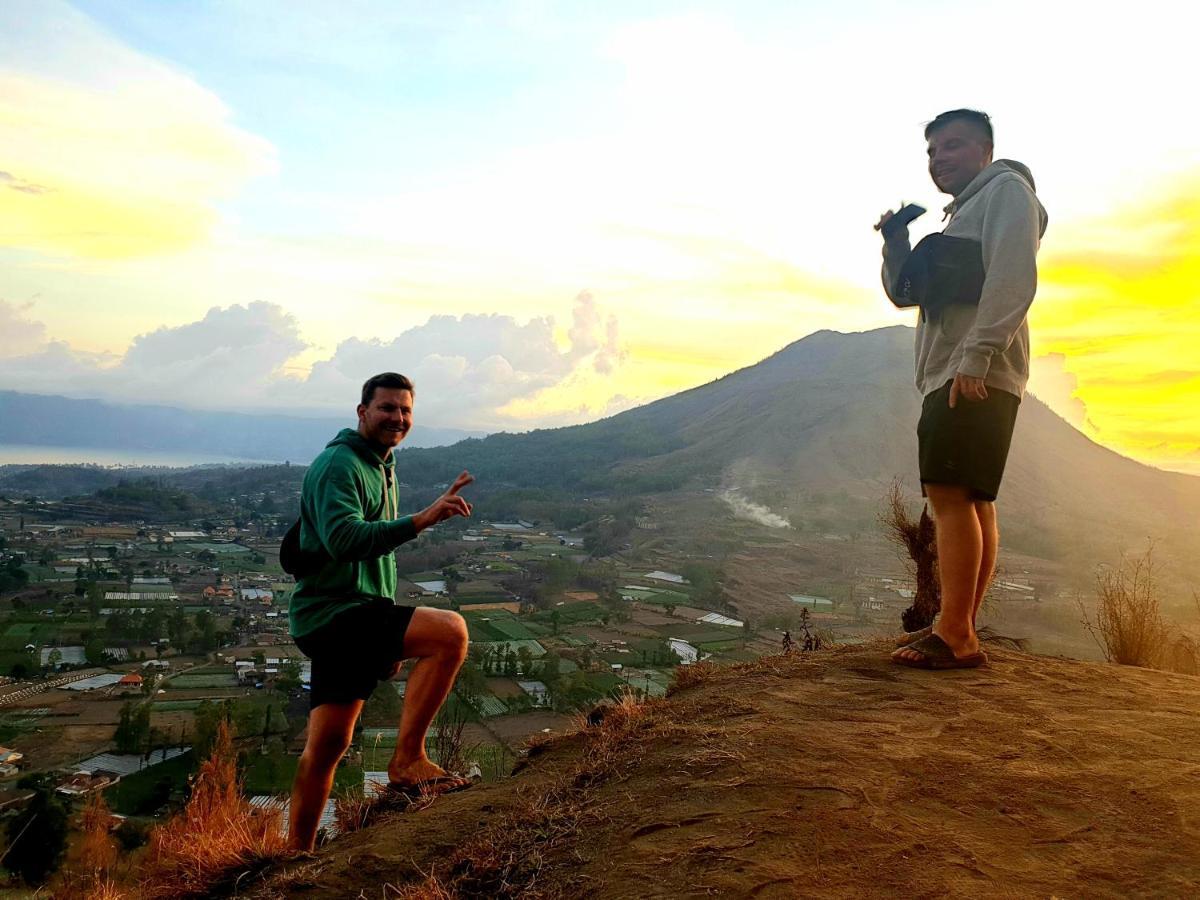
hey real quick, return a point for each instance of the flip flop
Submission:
(911, 637)
(936, 654)
(441, 784)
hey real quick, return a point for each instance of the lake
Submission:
(25, 454)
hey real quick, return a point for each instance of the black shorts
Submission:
(355, 650)
(967, 445)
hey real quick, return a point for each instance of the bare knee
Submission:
(948, 499)
(325, 750)
(437, 632)
(456, 636)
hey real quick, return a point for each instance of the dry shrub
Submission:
(918, 539)
(1181, 654)
(351, 810)
(448, 739)
(89, 873)
(689, 676)
(1128, 626)
(216, 834)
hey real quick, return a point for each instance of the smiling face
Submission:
(958, 151)
(387, 418)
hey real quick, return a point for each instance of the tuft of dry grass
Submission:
(507, 858)
(351, 810)
(689, 676)
(217, 834)
(1129, 626)
(90, 870)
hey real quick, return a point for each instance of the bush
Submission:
(1129, 626)
(218, 832)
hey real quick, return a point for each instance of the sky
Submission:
(546, 213)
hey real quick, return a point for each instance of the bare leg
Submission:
(991, 548)
(438, 639)
(960, 555)
(330, 728)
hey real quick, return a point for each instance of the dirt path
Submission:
(835, 775)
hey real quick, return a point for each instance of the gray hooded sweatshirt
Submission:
(1000, 211)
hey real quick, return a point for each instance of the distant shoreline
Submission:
(112, 457)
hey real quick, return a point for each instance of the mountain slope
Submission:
(822, 427)
(833, 775)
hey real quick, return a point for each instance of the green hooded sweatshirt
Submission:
(348, 509)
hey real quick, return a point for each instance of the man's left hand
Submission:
(967, 387)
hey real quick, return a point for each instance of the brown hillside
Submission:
(832, 775)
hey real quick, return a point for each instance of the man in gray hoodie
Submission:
(974, 283)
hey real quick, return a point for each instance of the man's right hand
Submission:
(446, 506)
(898, 235)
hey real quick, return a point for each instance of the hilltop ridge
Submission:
(834, 774)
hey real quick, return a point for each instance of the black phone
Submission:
(900, 219)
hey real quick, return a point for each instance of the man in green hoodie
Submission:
(342, 613)
(974, 283)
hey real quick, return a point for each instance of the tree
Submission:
(206, 632)
(133, 729)
(37, 836)
(383, 707)
(524, 661)
(209, 717)
(93, 650)
(178, 628)
(288, 678)
(53, 659)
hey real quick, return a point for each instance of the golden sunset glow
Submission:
(279, 198)
(1126, 320)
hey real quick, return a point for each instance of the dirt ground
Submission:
(835, 774)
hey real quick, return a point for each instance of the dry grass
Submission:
(507, 858)
(217, 834)
(90, 870)
(690, 676)
(351, 810)
(1129, 626)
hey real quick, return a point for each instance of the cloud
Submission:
(591, 334)
(477, 371)
(482, 372)
(1058, 388)
(19, 335)
(119, 155)
(229, 359)
(16, 184)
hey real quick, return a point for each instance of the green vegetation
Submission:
(144, 792)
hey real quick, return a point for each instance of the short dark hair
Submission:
(392, 380)
(980, 120)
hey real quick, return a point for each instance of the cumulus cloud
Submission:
(469, 370)
(591, 333)
(229, 359)
(1051, 383)
(19, 335)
